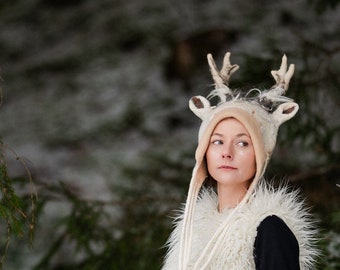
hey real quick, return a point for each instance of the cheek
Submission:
(208, 156)
(211, 156)
(252, 164)
(248, 158)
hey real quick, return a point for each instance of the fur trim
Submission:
(236, 249)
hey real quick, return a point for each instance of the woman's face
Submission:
(230, 155)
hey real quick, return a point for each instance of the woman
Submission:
(241, 223)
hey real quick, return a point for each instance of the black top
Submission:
(275, 246)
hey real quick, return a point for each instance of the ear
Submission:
(285, 111)
(199, 105)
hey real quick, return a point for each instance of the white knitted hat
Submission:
(260, 115)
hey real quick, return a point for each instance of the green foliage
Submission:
(329, 245)
(18, 217)
(123, 234)
(128, 232)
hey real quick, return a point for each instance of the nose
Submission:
(227, 153)
(227, 156)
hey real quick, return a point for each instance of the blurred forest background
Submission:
(94, 110)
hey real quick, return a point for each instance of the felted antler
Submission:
(221, 78)
(282, 77)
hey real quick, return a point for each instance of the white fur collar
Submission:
(236, 249)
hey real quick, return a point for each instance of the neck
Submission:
(229, 196)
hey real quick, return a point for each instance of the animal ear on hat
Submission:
(285, 111)
(199, 105)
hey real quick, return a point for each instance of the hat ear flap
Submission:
(285, 111)
(199, 105)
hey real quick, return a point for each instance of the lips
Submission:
(226, 167)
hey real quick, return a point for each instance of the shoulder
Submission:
(272, 223)
(283, 202)
(275, 247)
(285, 218)
(273, 228)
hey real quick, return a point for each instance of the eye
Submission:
(217, 142)
(243, 143)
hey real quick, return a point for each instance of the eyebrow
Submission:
(238, 135)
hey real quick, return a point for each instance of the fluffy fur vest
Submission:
(238, 243)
